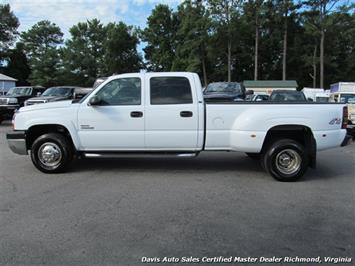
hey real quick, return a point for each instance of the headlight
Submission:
(13, 101)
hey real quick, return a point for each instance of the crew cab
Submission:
(15, 98)
(164, 114)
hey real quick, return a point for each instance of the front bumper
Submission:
(346, 141)
(17, 142)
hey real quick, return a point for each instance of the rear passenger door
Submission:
(171, 114)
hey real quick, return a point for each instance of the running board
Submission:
(136, 154)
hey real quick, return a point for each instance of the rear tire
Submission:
(286, 160)
(52, 153)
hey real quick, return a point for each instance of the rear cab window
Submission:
(170, 90)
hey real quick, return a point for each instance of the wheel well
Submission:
(299, 133)
(35, 131)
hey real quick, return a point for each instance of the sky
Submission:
(66, 13)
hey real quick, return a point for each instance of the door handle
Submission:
(186, 114)
(136, 114)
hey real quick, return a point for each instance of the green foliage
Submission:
(160, 36)
(17, 66)
(192, 39)
(83, 54)
(215, 38)
(120, 45)
(8, 29)
(95, 50)
(41, 45)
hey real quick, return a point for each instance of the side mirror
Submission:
(249, 92)
(38, 94)
(95, 100)
(310, 99)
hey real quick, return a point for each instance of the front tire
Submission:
(52, 153)
(286, 160)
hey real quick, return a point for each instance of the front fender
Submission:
(66, 117)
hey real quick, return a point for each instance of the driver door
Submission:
(117, 123)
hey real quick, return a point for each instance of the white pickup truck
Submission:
(165, 114)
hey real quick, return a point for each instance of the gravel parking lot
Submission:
(114, 212)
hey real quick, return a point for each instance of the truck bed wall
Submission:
(243, 127)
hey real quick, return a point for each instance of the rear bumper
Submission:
(346, 141)
(17, 142)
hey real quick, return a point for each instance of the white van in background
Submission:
(316, 94)
(344, 92)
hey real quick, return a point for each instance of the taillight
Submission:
(345, 118)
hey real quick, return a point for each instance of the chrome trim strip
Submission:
(137, 155)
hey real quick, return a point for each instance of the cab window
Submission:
(122, 91)
(170, 90)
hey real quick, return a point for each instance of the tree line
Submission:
(311, 41)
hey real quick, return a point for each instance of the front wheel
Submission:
(286, 160)
(52, 153)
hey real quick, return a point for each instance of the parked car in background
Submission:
(316, 94)
(61, 93)
(349, 99)
(322, 97)
(82, 92)
(287, 96)
(257, 97)
(224, 92)
(98, 81)
(15, 98)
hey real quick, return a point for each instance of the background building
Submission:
(6, 83)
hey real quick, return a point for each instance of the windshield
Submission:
(58, 91)
(347, 98)
(289, 96)
(224, 87)
(19, 91)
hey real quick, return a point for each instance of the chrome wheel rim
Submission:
(288, 161)
(50, 154)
